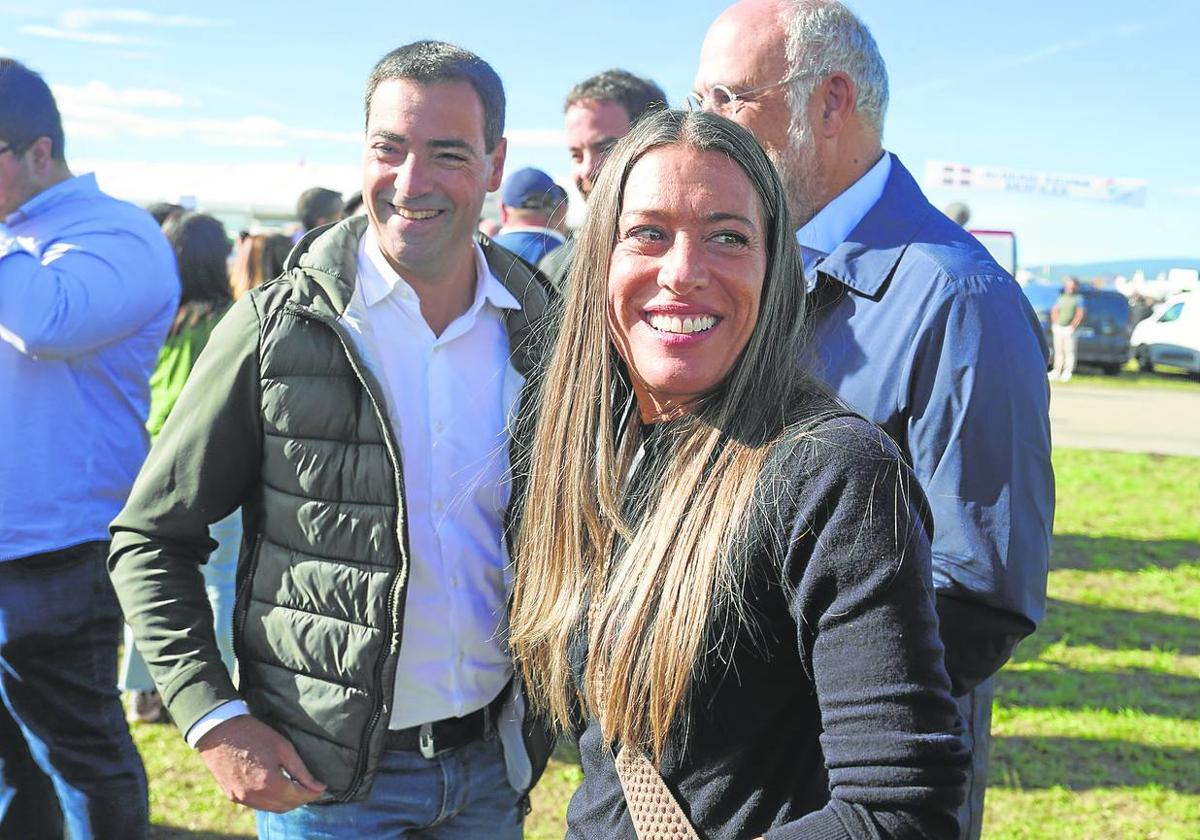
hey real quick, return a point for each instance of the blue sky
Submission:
(241, 102)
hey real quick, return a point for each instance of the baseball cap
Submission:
(531, 188)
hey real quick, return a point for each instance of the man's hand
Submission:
(256, 766)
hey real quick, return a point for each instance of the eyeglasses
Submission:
(720, 98)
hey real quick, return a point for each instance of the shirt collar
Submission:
(830, 227)
(870, 253)
(64, 190)
(379, 279)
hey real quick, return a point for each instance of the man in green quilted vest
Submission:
(364, 411)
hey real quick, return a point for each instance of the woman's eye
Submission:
(645, 234)
(730, 237)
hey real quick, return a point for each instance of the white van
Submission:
(1171, 336)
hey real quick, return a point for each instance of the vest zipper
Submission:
(241, 602)
(393, 629)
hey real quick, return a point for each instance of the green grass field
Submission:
(1097, 718)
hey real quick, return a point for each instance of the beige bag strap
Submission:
(653, 809)
(655, 813)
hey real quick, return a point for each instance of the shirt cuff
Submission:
(206, 724)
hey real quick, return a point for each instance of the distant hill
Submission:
(1111, 268)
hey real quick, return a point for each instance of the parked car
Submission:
(1171, 336)
(1103, 335)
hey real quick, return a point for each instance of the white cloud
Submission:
(259, 131)
(77, 25)
(99, 93)
(81, 36)
(542, 138)
(86, 18)
(269, 185)
(1186, 192)
(98, 110)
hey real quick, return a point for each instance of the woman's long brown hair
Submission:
(654, 587)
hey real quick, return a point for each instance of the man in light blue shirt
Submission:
(88, 288)
(913, 324)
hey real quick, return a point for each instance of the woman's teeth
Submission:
(671, 324)
(416, 215)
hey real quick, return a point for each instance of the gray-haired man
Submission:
(913, 324)
(360, 411)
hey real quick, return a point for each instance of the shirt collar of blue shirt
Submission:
(69, 189)
(865, 255)
(835, 221)
(384, 280)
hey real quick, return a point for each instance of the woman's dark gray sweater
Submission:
(830, 716)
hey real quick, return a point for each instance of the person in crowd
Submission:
(317, 206)
(488, 226)
(353, 205)
(599, 111)
(1141, 307)
(88, 289)
(360, 412)
(914, 325)
(1066, 315)
(959, 213)
(532, 211)
(260, 257)
(161, 211)
(730, 595)
(201, 253)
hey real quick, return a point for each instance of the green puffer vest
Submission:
(320, 603)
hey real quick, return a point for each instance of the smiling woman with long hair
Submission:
(723, 575)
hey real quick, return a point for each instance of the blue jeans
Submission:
(65, 751)
(976, 710)
(462, 794)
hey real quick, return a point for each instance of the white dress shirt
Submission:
(830, 227)
(450, 399)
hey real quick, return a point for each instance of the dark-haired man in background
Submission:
(317, 206)
(599, 111)
(88, 289)
(360, 411)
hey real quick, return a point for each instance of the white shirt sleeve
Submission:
(206, 724)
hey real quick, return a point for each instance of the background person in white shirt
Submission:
(361, 412)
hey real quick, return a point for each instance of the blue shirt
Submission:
(919, 329)
(529, 243)
(88, 290)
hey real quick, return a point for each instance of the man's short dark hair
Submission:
(28, 110)
(636, 95)
(431, 62)
(318, 203)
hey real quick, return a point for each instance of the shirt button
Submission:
(439, 427)
(454, 581)
(438, 505)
